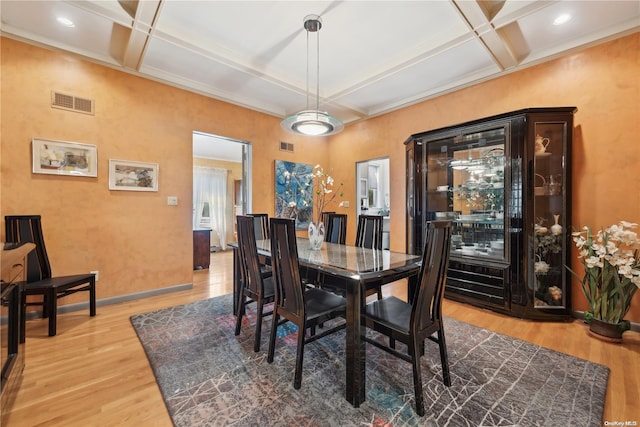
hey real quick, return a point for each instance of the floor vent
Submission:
(72, 103)
(286, 146)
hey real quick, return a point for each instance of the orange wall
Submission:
(134, 239)
(601, 81)
(130, 236)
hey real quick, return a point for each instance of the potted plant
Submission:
(611, 262)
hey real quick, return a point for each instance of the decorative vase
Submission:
(316, 235)
(611, 332)
(556, 229)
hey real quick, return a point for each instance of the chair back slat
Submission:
(249, 254)
(433, 275)
(261, 225)
(369, 232)
(28, 229)
(285, 263)
(336, 228)
(324, 216)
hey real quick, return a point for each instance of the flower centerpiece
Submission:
(323, 192)
(611, 262)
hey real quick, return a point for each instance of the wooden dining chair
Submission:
(257, 286)
(40, 281)
(324, 216)
(369, 231)
(261, 225)
(411, 323)
(306, 307)
(261, 228)
(369, 235)
(336, 228)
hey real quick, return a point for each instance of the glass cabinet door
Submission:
(465, 184)
(549, 215)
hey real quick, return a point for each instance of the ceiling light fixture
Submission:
(313, 122)
(65, 21)
(562, 19)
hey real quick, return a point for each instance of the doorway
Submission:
(230, 158)
(372, 183)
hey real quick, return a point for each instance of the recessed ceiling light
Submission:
(65, 21)
(562, 19)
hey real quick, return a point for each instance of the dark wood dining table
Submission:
(354, 268)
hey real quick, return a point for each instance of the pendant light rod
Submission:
(319, 24)
(313, 122)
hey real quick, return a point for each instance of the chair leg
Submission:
(297, 381)
(240, 314)
(52, 308)
(272, 336)
(23, 317)
(444, 358)
(45, 311)
(92, 297)
(379, 292)
(258, 334)
(417, 376)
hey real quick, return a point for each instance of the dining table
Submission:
(354, 269)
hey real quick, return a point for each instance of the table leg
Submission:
(355, 346)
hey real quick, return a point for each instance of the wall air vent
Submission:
(286, 146)
(72, 103)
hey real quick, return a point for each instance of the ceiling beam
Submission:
(145, 15)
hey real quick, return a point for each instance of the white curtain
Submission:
(210, 187)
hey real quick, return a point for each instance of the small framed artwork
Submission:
(64, 158)
(133, 176)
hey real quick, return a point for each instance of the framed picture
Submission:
(133, 176)
(294, 192)
(64, 158)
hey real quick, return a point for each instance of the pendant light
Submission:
(313, 122)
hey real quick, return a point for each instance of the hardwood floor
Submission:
(95, 372)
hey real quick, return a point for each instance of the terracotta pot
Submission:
(611, 332)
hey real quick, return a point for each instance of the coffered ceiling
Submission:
(375, 56)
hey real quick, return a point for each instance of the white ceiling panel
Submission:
(375, 56)
(93, 34)
(430, 77)
(589, 19)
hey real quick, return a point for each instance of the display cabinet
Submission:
(505, 183)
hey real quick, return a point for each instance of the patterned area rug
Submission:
(209, 377)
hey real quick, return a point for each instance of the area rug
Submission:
(210, 377)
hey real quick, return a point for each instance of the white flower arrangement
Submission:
(323, 189)
(611, 262)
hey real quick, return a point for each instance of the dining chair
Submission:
(324, 216)
(306, 307)
(369, 235)
(261, 225)
(411, 323)
(261, 229)
(257, 286)
(336, 232)
(336, 228)
(369, 231)
(40, 281)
